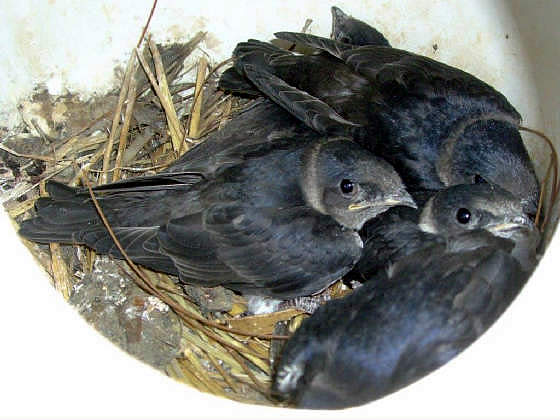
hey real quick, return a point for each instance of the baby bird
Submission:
(437, 125)
(277, 217)
(425, 308)
(401, 231)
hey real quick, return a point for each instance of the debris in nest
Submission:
(24, 145)
(64, 116)
(307, 304)
(276, 346)
(260, 305)
(65, 138)
(137, 322)
(263, 323)
(210, 299)
(173, 57)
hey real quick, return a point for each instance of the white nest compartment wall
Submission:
(65, 45)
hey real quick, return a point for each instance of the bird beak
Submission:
(360, 205)
(400, 199)
(513, 223)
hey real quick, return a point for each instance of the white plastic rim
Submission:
(53, 364)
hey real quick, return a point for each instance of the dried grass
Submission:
(227, 357)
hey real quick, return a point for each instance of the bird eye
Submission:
(478, 179)
(463, 216)
(346, 186)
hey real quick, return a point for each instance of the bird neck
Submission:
(309, 185)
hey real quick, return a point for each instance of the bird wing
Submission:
(159, 182)
(419, 75)
(139, 243)
(228, 146)
(335, 48)
(283, 253)
(193, 251)
(312, 111)
(321, 83)
(233, 82)
(288, 251)
(396, 73)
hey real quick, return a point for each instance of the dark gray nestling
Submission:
(418, 313)
(402, 231)
(276, 215)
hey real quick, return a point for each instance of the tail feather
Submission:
(58, 190)
(59, 216)
(58, 220)
(139, 243)
(69, 217)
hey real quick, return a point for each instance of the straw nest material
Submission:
(161, 110)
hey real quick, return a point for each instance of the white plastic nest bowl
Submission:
(52, 364)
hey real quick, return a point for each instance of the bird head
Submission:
(490, 150)
(484, 206)
(349, 30)
(340, 23)
(345, 181)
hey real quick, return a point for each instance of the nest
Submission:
(161, 110)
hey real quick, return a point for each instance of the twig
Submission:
(165, 100)
(201, 372)
(197, 106)
(77, 144)
(49, 174)
(198, 92)
(541, 196)
(61, 277)
(191, 45)
(258, 384)
(555, 188)
(177, 132)
(147, 24)
(87, 127)
(44, 136)
(171, 114)
(130, 100)
(175, 371)
(306, 25)
(116, 118)
(91, 161)
(222, 371)
(132, 168)
(36, 157)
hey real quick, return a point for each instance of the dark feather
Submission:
(235, 213)
(392, 331)
(436, 124)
